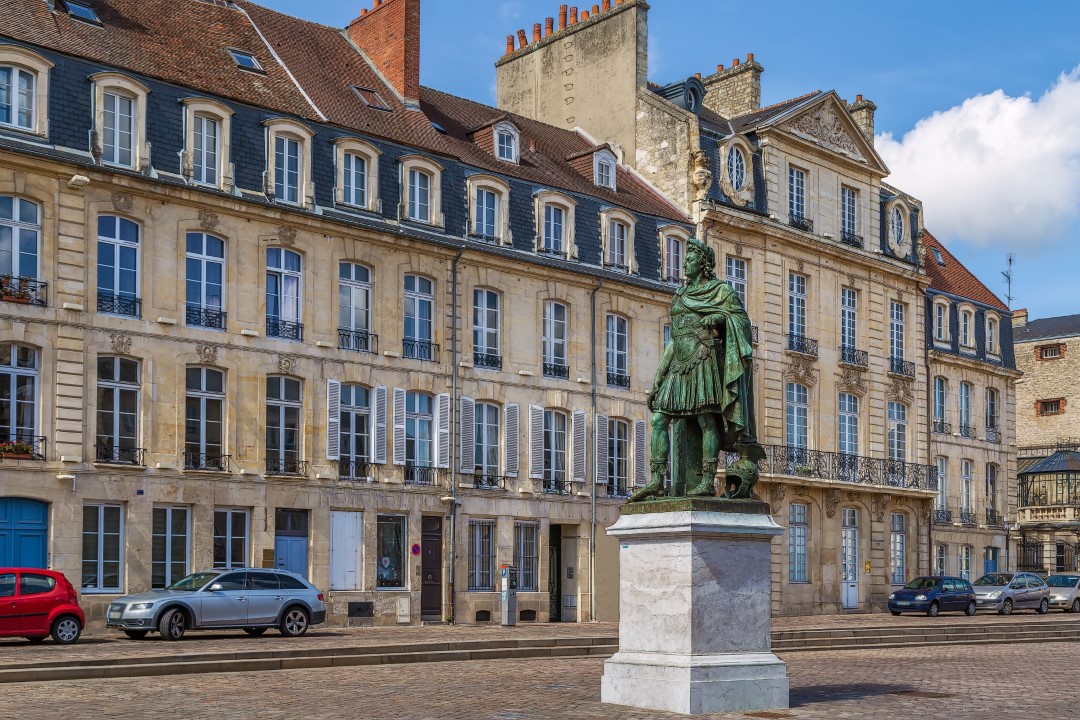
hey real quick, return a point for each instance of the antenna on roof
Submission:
(1008, 275)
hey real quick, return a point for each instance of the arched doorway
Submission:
(24, 533)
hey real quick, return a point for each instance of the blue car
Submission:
(933, 595)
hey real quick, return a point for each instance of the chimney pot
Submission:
(363, 12)
(749, 57)
(735, 62)
(536, 32)
(607, 4)
(719, 68)
(509, 44)
(549, 26)
(562, 17)
(697, 75)
(584, 15)
(858, 98)
(595, 9)
(523, 39)
(573, 15)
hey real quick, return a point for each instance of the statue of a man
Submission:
(705, 385)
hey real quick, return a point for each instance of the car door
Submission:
(948, 594)
(224, 601)
(1030, 592)
(264, 597)
(9, 616)
(37, 598)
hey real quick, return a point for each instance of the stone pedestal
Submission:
(694, 610)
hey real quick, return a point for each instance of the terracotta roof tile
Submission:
(953, 277)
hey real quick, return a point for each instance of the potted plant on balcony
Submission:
(16, 450)
(15, 289)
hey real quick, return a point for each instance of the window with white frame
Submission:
(487, 214)
(204, 281)
(554, 450)
(554, 229)
(991, 487)
(736, 168)
(604, 169)
(941, 463)
(898, 548)
(617, 245)
(24, 90)
(674, 254)
(507, 142)
(354, 308)
(966, 496)
(206, 158)
(354, 432)
(421, 189)
(118, 140)
(849, 320)
(118, 266)
(618, 452)
(354, 178)
(489, 218)
(940, 395)
(849, 213)
(555, 225)
(390, 552)
(486, 350)
(419, 340)
(798, 537)
(284, 413)
(965, 562)
(20, 233)
(991, 335)
(736, 276)
(206, 150)
(231, 538)
(103, 548)
(170, 545)
(118, 411)
(796, 305)
(941, 322)
(966, 428)
(554, 339)
(940, 553)
(849, 424)
(527, 555)
(486, 439)
(796, 412)
(357, 181)
(796, 194)
(618, 371)
(119, 136)
(991, 409)
(419, 431)
(896, 225)
(288, 162)
(967, 328)
(204, 420)
(897, 433)
(19, 395)
(283, 274)
(419, 196)
(897, 329)
(481, 555)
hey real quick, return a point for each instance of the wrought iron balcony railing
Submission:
(421, 475)
(207, 462)
(618, 379)
(357, 341)
(554, 486)
(900, 366)
(993, 435)
(23, 290)
(282, 466)
(420, 350)
(968, 431)
(358, 470)
(851, 356)
(285, 329)
(853, 239)
(802, 344)
(556, 370)
(487, 360)
(942, 516)
(119, 305)
(22, 447)
(968, 517)
(488, 481)
(111, 455)
(941, 427)
(801, 223)
(842, 467)
(993, 517)
(619, 491)
(196, 316)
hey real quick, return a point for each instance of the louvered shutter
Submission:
(467, 450)
(578, 438)
(442, 430)
(333, 419)
(641, 445)
(536, 442)
(399, 426)
(511, 440)
(379, 441)
(601, 450)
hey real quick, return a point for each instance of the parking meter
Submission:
(509, 595)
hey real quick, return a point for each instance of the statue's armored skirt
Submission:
(694, 381)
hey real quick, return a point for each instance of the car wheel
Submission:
(1044, 606)
(934, 609)
(66, 629)
(294, 622)
(136, 634)
(173, 624)
(1075, 606)
(895, 612)
(1006, 608)
(254, 631)
(971, 608)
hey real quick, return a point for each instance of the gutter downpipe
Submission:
(453, 423)
(592, 495)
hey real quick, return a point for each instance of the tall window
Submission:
(283, 414)
(940, 393)
(897, 226)
(735, 274)
(205, 271)
(941, 322)
(486, 351)
(966, 327)
(118, 266)
(605, 172)
(991, 409)
(103, 548)
(527, 556)
(736, 168)
(355, 177)
(206, 150)
(942, 465)
(849, 424)
(896, 330)
(554, 339)
(898, 547)
(419, 196)
(283, 269)
(617, 352)
(17, 94)
(796, 411)
(118, 411)
(796, 194)
(354, 308)
(18, 394)
(796, 305)
(991, 486)
(419, 318)
(617, 245)
(481, 555)
(390, 552)
(965, 562)
(966, 429)
(354, 431)
(554, 229)
(849, 203)
(20, 228)
(419, 430)
(992, 336)
(486, 439)
(940, 553)
(170, 546)
(118, 143)
(849, 318)
(204, 419)
(798, 534)
(673, 258)
(506, 145)
(965, 487)
(897, 431)
(230, 538)
(287, 168)
(554, 450)
(487, 214)
(618, 469)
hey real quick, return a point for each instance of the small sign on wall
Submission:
(569, 573)
(867, 566)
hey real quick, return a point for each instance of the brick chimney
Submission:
(1019, 318)
(862, 112)
(389, 34)
(736, 90)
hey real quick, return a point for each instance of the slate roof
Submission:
(953, 277)
(1045, 328)
(1064, 461)
(750, 121)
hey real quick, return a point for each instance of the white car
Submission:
(1065, 591)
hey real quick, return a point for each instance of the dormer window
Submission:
(507, 140)
(245, 60)
(604, 169)
(897, 226)
(736, 168)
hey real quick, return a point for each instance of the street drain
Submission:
(923, 694)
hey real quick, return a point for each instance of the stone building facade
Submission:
(829, 261)
(267, 308)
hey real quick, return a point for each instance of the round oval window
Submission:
(736, 168)
(898, 226)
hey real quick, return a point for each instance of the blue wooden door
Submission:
(290, 553)
(24, 533)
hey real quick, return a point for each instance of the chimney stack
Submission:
(736, 90)
(862, 112)
(389, 34)
(1020, 318)
(562, 17)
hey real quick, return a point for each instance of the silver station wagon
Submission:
(253, 599)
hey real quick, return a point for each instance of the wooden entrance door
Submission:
(431, 568)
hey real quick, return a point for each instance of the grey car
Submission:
(1008, 591)
(253, 599)
(1065, 591)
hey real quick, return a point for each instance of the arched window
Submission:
(555, 318)
(120, 120)
(896, 225)
(422, 190)
(20, 234)
(283, 279)
(19, 368)
(118, 266)
(288, 162)
(24, 90)
(207, 136)
(507, 142)
(357, 174)
(736, 168)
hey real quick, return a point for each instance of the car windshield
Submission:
(193, 582)
(994, 579)
(923, 583)
(1063, 580)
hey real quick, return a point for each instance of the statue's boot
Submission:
(655, 488)
(707, 486)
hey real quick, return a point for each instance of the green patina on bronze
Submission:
(706, 504)
(704, 390)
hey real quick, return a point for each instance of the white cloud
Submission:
(510, 11)
(995, 170)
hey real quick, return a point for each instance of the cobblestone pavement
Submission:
(960, 681)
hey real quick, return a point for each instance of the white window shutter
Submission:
(467, 449)
(601, 454)
(511, 440)
(399, 426)
(578, 434)
(379, 440)
(333, 419)
(442, 425)
(641, 447)
(536, 442)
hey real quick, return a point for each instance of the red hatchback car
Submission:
(36, 603)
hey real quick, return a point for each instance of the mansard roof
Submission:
(952, 277)
(1047, 328)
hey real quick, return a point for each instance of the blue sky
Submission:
(978, 102)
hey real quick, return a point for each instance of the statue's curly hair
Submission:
(707, 254)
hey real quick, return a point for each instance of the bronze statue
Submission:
(705, 385)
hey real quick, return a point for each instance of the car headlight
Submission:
(920, 597)
(994, 595)
(142, 606)
(1057, 598)
(893, 596)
